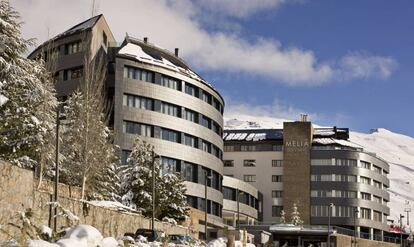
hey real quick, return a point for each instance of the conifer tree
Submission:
(27, 101)
(295, 216)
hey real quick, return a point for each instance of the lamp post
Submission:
(355, 226)
(238, 207)
(407, 209)
(154, 156)
(206, 178)
(56, 166)
(401, 240)
(331, 205)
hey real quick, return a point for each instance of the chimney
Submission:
(303, 117)
(145, 40)
(176, 52)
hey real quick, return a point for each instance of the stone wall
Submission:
(18, 191)
(347, 241)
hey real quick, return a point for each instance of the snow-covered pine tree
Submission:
(173, 201)
(136, 185)
(26, 95)
(295, 216)
(136, 178)
(282, 217)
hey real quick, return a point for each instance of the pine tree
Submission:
(136, 187)
(295, 216)
(282, 217)
(27, 97)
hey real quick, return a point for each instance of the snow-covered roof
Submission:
(333, 141)
(151, 54)
(253, 135)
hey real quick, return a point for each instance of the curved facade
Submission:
(353, 181)
(247, 196)
(158, 98)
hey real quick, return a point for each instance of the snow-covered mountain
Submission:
(396, 149)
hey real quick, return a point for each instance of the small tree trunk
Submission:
(40, 175)
(83, 187)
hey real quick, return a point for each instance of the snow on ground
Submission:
(396, 149)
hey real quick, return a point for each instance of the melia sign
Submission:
(297, 145)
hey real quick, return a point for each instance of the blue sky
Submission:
(345, 63)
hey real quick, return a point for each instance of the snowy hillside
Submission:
(395, 148)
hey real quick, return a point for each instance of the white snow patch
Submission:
(3, 99)
(40, 243)
(81, 236)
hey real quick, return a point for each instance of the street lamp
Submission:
(355, 226)
(331, 205)
(58, 118)
(238, 207)
(206, 178)
(401, 240)
(407, 209)
(154, 156)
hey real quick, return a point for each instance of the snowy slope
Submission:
(396, 149)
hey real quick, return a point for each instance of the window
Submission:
(138, 102)
(276, 210)
(377, 169)
(277, 193)
(70, 74)
(216, 128)
(189, 172)
(228, 148)
(365, 213)
(248, 148)
(170, 135)
(138, 74)
(277, 178)
(277, 163)
(365, 180)
(365, 165)
(170, 82)
(377, 184)
(191, 141)
(228, 163)
(72, 48)
(249, 163)
(206, 146)
(137, 128)
(206, 97)
(277, 147)
(365, 196)
(169, 165)
(191, 90)
(124, 156)
(170, 109)
(321, 162)
(377, 216)
(249, 178)
(378, 199)
(217, 105)
(346, 162)
(206, 122)
(191, 116)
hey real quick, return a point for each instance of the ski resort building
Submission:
(318, 169)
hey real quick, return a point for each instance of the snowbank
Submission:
(81, 236)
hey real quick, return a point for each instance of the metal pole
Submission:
(205, 204)
(56, 167)
(153, 192)
(401, 240)
(329, 225)
(238, 209)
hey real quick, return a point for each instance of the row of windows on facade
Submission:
(189, 172)
(347, 194)
(252, 163)
(252, 178)
(244, 197)
(172, 110)
(213, 208)
(69, 48)
(166, 81)
(171, 135)
(329, 147)
(347, 211)
(252, 147)
(347, 162)
(347, 178)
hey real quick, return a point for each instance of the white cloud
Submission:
(363, 65)
(174, 23)
(240, 8)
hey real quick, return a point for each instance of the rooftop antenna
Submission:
(93, 8)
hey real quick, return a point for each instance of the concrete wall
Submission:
(347, 241)
(18, 192)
